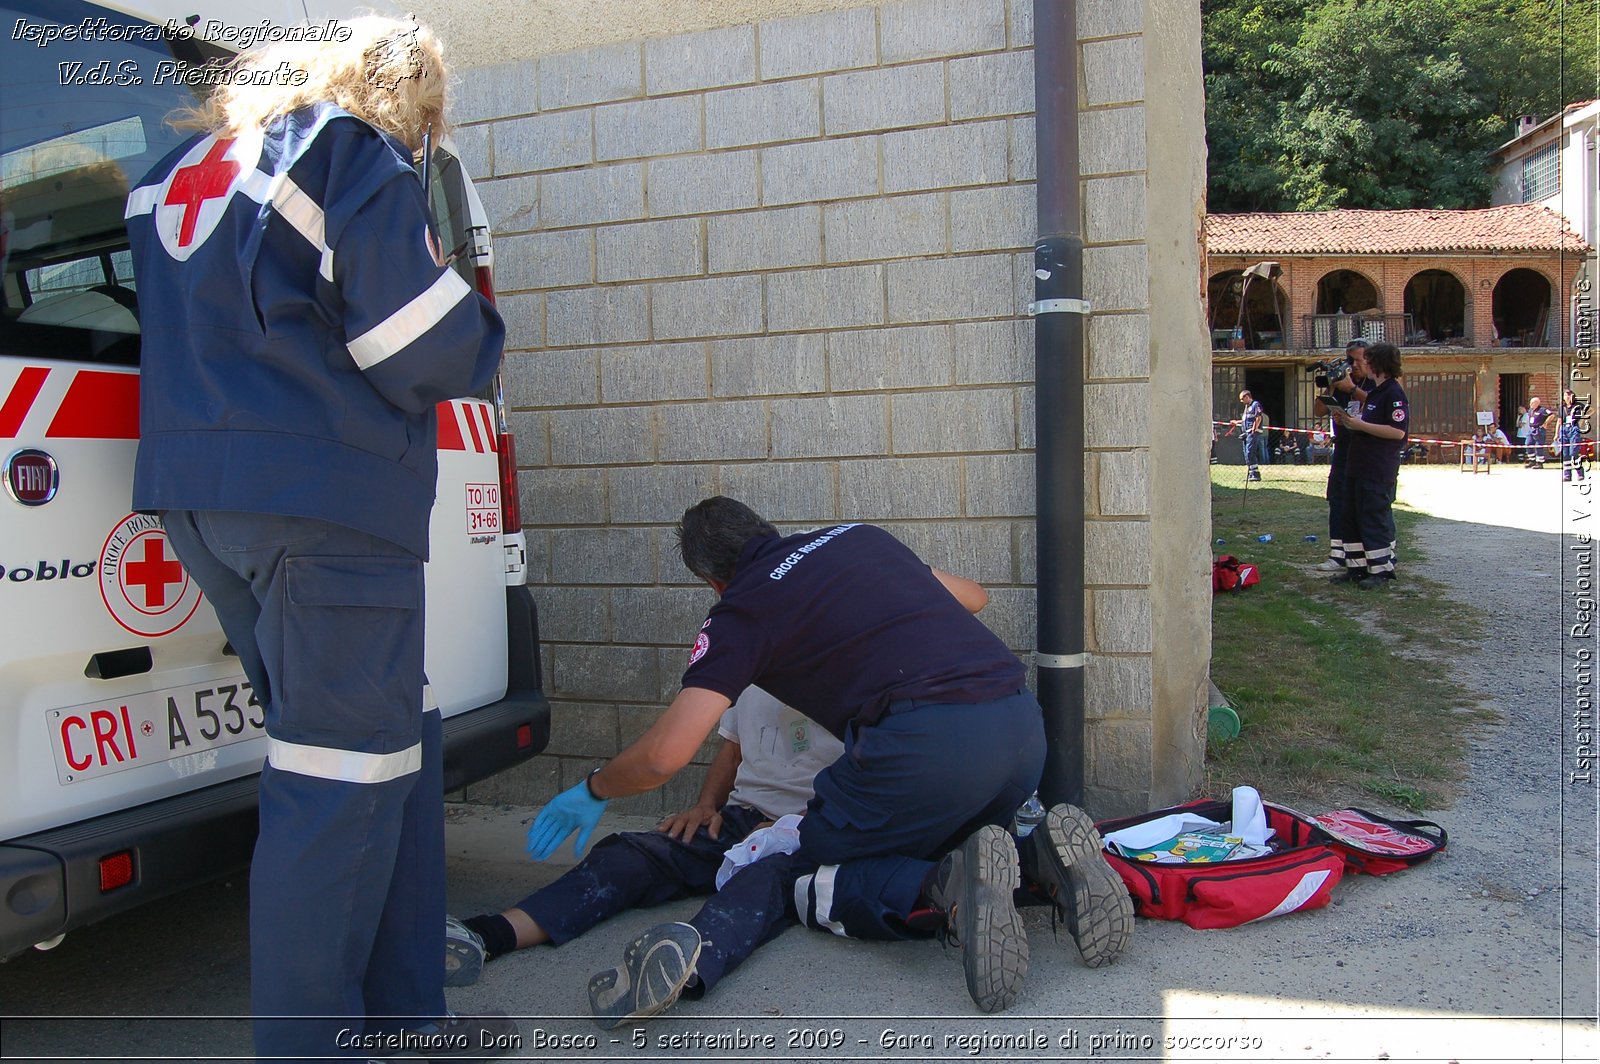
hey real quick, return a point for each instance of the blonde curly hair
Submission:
(389, 72)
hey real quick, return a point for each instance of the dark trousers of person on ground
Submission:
(1369, 521)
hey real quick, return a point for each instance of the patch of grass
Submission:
(1341, 693)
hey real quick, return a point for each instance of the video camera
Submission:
(1329, 372)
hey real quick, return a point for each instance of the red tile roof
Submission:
(1516, 227)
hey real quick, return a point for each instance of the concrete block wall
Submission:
(789, 261)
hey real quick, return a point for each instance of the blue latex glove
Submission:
(574, 809)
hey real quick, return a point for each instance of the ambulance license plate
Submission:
(99, 738)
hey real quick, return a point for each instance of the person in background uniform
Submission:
(1372, 469)
(762, 771)
(1570, 435)
(1249, 425)
(1353, 390)
(299, 327)
(942, 744)
(1540, 421)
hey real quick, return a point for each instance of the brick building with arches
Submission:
(1479, 301)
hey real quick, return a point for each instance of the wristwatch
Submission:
(588, 783)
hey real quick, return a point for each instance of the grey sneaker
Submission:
(1329, 565)
(463, 953)
(973, 888)
(655, 968)
(1065, 860)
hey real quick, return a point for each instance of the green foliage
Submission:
(1314, 104)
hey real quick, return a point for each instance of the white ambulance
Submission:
(130, 740)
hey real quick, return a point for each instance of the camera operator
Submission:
(1377, 438)
(1352, 388)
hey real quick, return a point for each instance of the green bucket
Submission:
(1223, 723)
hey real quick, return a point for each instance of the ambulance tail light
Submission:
(116, 870)
(510, 501)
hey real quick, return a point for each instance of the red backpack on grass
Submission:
(1230, 574)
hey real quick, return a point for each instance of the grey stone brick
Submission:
(954, 420)
(610, 314)
(1117, 552)
(819, 170)
(688, 61)
(1019, 23)
(769, 365)
(1121, 621)
(1114, 209)
(1124, 478)
(532, 437)
(835, 298)
(536, 565)
(886, 98)
(763, 114)
(920, 356)
(1117, 751)
(472, 148)
(1116, 415)
(1119, 345)
(544, 260)
(994, 352)
(552, 378)
(999, 485)
(973, 286)
(533, 782)
(978, 550)
(1118, 686)
(1027, 533)
(582, 729)
(1024, 149)
(670, 665)
(706, 432)
(1111, 141)
(593, 75)
(828, 427)
(574, 614)
(544, 142)
(1117, 277)
(811, 44)
(601, 435)
(989, 219)
(1113, 71)
(610, 672)
(591, 197)
(562, 497)
(510, 204)
(921, 29)
(659, 614)
(653, 374)
(1012, 614)
(886, 488)
(764, 240)
(1027, 418)
(644, 250)
(494, 92)
(887, 227)
(984, 86)
(657, 494)
(602, 556)
(785, 491)
(717, 306)
(702, 184)
(973, 153)
(524, 318)
(1106, 18)
(644, 128)
(636, 720)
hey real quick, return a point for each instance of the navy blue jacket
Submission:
(296, 331)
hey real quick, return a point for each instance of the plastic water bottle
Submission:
(1221, 542)
(1265, 537)
(1311, 539)
(1030, 814)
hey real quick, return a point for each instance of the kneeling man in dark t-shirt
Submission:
(905, 835)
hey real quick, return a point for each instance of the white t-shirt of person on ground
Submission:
(781, 749)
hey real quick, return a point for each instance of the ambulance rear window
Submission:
(84, 95)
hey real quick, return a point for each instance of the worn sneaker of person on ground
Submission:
(973, 888)
(464, 953)
(1063, 857)
(655, 968)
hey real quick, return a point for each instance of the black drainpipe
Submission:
(1059, 319)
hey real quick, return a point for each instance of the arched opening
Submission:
(1436, 304)
(1521, 310)
(1345, 292)
(1266, 308)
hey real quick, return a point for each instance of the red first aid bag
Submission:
(1230, 574)
(1374, 845)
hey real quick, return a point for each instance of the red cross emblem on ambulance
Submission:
(191, 202)
(144, 586)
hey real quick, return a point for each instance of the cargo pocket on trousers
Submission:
(352, 652)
